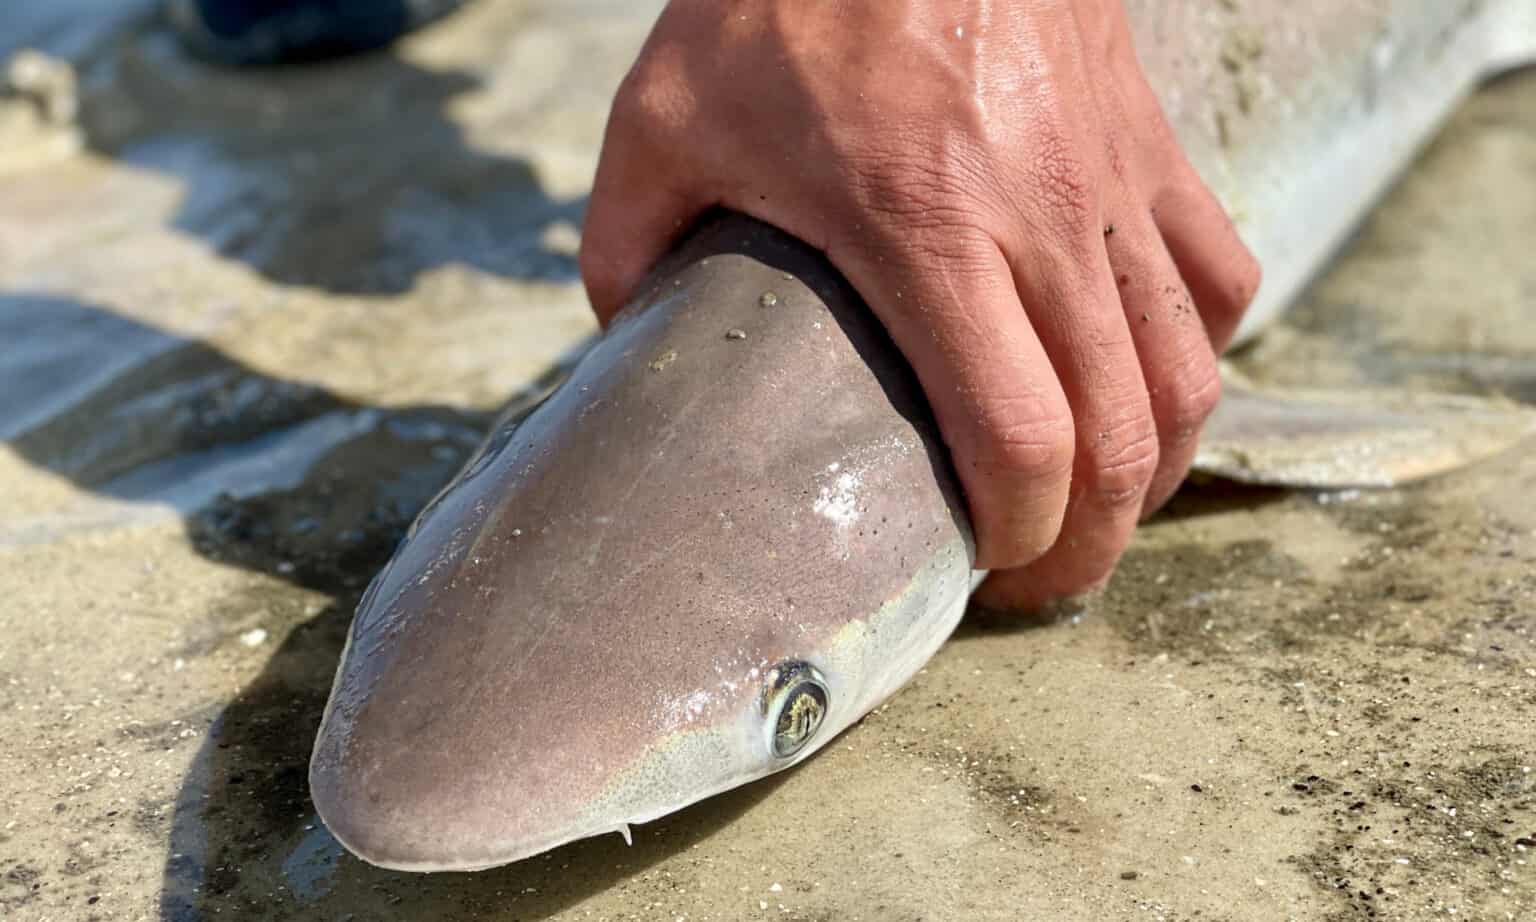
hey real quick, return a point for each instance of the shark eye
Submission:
(795, 704)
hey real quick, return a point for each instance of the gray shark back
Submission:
(741, 479)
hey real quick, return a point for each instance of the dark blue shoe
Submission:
(276, 31)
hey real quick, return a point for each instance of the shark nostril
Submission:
(795, 703)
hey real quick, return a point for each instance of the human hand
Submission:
(1000, 185)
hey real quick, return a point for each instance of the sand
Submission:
(248, 324)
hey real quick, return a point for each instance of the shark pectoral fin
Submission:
(1359, 438)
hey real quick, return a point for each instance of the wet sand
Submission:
(254, 322)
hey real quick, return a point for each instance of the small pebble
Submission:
(1129, 875)
(254, 638)
(735, 334)
(769, 299)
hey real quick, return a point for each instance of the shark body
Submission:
(733, 530)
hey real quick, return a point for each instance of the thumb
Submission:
(636, 213)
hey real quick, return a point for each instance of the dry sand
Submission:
(1285, 706)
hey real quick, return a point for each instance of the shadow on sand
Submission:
(286, 479)
(326, 488)
(349, 177)
(346, 175)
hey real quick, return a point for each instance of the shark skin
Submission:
(732, 531)
(592, 626)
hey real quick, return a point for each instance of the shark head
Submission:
(727, 537)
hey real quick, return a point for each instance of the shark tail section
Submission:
(1353, 439)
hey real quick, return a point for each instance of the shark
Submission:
(732, 530)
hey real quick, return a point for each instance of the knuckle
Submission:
(1246, 278)
(1122, 460)
(1034, 446)
(1064, 185)
(940, 275)
(1236, 275)
(654, 97)
(1163, 163)
(1114, 157)
(943, 241)
(938, 188)
(1193, 397)
(922, 215)
(1023, 450)
(1160, 139)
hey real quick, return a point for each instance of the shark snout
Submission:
(427, 808)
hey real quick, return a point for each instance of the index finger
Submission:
(948, 299)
